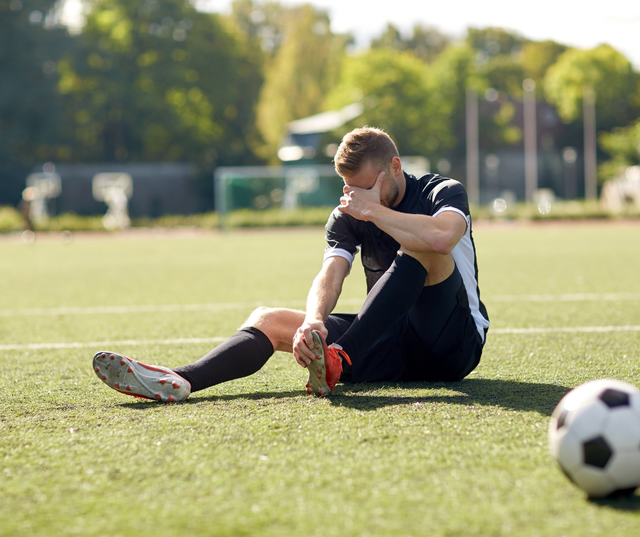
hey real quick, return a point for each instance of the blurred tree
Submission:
(31, 42)
(304, 68)
(398, 98)
(537, 57)
(450, 75)
(499, 70)
(623, 144)
(262, 23)
(498, 56)
(611, 76)
(425, 43)
(491, 41)
(155, 80)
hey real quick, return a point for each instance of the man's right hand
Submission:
(303, 341)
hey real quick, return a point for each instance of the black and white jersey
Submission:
(429, 195)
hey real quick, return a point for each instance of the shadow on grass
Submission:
(624, 503)
(512, 395)
(508, 394)
(140, 404)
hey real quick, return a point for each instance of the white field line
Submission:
(170, 308)
(157, 308)
(134, 342)
(569, 297)
(564, 329)
(106, 344)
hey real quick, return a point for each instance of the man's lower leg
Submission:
(241, 355)
(391, 297)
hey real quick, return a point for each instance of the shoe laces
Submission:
(337, 353)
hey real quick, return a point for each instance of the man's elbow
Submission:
(444, 243)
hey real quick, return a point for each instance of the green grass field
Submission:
(257, 456)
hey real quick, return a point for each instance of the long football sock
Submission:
(391, 297)
(241, 355)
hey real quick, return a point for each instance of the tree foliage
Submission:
(398, 97)
(303, 69)
(623, 144)
(155, 80)
(30, 113)
(609, 73)
(425, 43)
(537, 57)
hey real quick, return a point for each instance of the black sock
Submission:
(391, 297)
(241, 355)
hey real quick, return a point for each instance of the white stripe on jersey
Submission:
(464, 257)
(339, 252)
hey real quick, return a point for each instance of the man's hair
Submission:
(363, 145)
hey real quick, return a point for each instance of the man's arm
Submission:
(419, 232)
(323, 297)
(414, 232)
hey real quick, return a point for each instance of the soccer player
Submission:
(422, 319)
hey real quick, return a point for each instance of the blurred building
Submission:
(158, 188)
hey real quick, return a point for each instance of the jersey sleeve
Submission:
(448, 195)
(341, 237)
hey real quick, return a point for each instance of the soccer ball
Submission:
(594, 435)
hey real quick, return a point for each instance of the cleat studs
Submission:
(129, 370)
(159, 397)
(128, 388)
(308, 390)
(319, 376)
(306, 385)
(317, 357)
(122, 362)
(116, 385)
(175, 385)
(162, 381)
(170, 399)
(96, 369)
(112, 357)
(320, 393)
(103, 377)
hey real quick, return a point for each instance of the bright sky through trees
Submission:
(583, 24)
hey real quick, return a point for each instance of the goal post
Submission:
(265, 187)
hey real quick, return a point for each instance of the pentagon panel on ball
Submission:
(594, 435)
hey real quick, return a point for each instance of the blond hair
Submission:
(366, 144)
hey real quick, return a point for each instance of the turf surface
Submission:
(257, 456)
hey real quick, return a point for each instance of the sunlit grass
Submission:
(257, 456)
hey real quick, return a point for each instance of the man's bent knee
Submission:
(438, 266)
(261, 318)
(278, 324)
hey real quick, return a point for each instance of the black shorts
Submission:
(410, 349)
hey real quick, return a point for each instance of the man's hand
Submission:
(303, 341)
(358, 202)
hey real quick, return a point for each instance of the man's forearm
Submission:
(420, 232)
(323, 297)
(325, 290)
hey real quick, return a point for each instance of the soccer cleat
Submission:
(140, 380)
(325, 370)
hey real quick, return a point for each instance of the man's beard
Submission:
(393, 193)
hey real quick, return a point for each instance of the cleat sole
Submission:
(130, 377)
(317, 383)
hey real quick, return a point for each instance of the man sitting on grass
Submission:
(422, 319)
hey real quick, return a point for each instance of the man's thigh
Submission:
(450, 356)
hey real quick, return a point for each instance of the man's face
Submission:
(366, 179)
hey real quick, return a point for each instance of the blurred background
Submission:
(530, 103)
